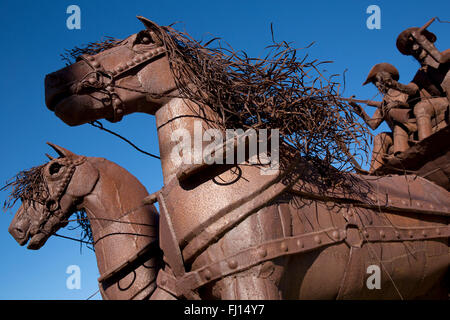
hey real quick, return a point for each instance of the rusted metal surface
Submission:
(124, 231)
(308, 232)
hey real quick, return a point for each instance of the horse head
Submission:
(50, 194)
(132, 75)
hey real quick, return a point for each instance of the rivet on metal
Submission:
(262, 252)
(300, 243)
(283, 246)
(90, 58)
(207, 274)
(317, 240)
(411, 234)
(424, 233)
(366, 234)
(130, 63)
(232, 264)
(382, 234)
(117, 102)
(335, 234)
(438, 231)
(95, 64)
(397, 234)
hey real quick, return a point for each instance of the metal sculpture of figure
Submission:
(394, 109)
(123, 230)
(308, 232)
(431, 84)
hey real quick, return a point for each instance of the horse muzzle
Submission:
(59, 84)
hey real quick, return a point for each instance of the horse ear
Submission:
(62, 152)
(148, 24)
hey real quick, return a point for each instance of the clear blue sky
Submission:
(34, 34)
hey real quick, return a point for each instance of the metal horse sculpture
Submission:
(262, 236)
(124, 230)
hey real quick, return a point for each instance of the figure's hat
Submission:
(404, 40)
(380, 67)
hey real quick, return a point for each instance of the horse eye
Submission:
(145, 40)
(54, 168)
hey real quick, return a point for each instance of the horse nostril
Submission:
(52, 80)
(19, 232)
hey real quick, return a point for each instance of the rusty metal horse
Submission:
(124, 231)
(261, 236)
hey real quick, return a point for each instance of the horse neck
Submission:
(116, 197)
(177, 114)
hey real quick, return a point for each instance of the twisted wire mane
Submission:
(278, 91)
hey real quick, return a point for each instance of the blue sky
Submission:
(34, 34)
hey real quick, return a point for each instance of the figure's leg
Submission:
(381, 144)
(400, 139)
(424, 110)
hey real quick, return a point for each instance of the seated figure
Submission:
(431, 84)
(394, 109)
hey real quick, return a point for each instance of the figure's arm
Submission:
(373, 122)
(410, 89)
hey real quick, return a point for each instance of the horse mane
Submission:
(92, 48)
(278, 91)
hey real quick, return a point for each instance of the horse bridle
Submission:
(52, 201)
(96, 78)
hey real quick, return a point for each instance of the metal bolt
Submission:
(92, 80)
(284, 246)
(366, 234)
(438, 231)
(95, 64)
(232, 264)
(317, 240)
(148, 54)
(411, 234)
(117, 102)
(109, 88)
(207, 274)
(130, 63)
(336, 234)
(424, 233)
(119, 68)
(300, 243)
(382, 234)
(397, 234)
(262, 252)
